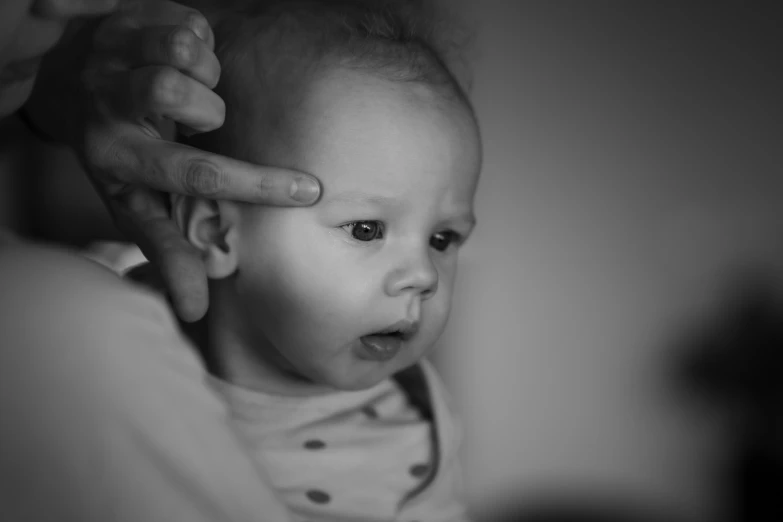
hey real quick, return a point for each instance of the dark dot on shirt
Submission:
(370, 412)
(319, 497)
(419, 470)
(314, 444)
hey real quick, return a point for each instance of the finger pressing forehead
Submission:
(73, 8)
(174, 167)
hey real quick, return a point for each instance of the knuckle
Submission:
(203, 178)
(182, 47)
(108, 157)
(168, 88)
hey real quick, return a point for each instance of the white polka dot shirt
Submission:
(383, 454)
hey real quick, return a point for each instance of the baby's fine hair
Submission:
(277, 46)
(403, 40)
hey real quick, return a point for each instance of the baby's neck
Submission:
(257, 366)
(224, 342)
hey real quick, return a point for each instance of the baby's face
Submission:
(357, 287)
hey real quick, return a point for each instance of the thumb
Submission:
(144, 216)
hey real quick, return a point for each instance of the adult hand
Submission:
(153, 64)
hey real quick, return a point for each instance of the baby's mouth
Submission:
(404, 329)
(385, 344)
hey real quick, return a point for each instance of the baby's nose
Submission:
(418, 274)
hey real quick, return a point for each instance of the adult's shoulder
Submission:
(104, 404)
(26, 266)
(52, 296)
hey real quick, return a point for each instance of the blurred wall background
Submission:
(632, 169)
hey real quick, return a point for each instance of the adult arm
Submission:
(106, 412)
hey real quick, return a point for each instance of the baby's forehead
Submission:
(359, 112)
(387, 141)
(363, 133)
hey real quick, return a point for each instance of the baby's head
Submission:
(345, 293)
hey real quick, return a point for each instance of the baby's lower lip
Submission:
(379, 347)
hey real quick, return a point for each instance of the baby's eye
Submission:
(364, 230)
(443, 240)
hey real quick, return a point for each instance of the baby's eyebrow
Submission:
(363, 198)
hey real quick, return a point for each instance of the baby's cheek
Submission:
(317, 293)
(436, 312)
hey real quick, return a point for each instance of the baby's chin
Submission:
(345, 381)
(353, 377)
(294, 369)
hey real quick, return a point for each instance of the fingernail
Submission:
(305, 190)
(199, 26)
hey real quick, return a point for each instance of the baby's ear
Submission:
(211, 229)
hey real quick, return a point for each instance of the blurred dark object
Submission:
(45, 194)
(13, 144)
(738, 365)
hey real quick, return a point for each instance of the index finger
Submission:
(174, 167)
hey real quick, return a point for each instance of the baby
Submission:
(320, 317)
